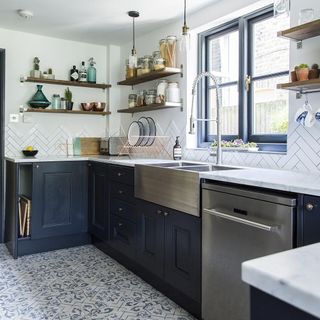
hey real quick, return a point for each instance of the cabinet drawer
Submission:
(123, 209)
(122, 174)
(122, 192)
(123, 236)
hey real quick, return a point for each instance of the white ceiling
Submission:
(94, 21)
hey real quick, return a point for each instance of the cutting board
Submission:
(86, 146)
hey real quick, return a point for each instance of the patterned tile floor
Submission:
(80, 283)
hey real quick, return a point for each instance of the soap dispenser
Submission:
(177, 150)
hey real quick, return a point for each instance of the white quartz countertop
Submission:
(290, 181)
(292, 276)
(99, 158)
(282, 180)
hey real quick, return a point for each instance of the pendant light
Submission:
(133, 60)
(185, 39)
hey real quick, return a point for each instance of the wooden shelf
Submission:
(151, 107)
(89, 113)
(67, 83)
(302, 32)
(154, 75)
(301, 86)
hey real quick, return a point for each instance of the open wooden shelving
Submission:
(151, 107)
(64, 111)
(154, 75)
(301, 86)
(67, 83)
(302, 32)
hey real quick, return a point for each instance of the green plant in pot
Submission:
(314, 71)
(302, 72)
(36, 73)
(68, 97)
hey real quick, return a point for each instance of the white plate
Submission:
(134, 133)
(153, 131)
(146, 131)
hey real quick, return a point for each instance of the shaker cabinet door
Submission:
(98, 190)
(59, 199)
(150, 228)
(182, 252)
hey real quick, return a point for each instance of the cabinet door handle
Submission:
(89, 164)
(120, 209)
(159, 212)
(120, 191)
(120, 174)
(166, 213)
(37, 166)
(120, 224)
(309, 206)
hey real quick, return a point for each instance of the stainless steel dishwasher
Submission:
(239, 224)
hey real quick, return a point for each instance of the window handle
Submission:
(247, 82)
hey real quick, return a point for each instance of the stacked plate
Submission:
(142, 132)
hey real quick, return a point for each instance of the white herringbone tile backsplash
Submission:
(303, 146)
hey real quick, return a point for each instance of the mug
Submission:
(305, 117)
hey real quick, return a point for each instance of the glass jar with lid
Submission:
(161, 91)
(151, 97)
(132, 100)
(141, 99)
(173, 92)
(163, 49)
(171, 51)
(158, 64)
(139, 67)
(131, 72)
(56, 101)
(146, 64)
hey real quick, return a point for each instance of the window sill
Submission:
(281, 153)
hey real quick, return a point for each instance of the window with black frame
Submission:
(248, 60)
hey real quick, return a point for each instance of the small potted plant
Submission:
(302, 72)
(68, 97)
(45, 75)
(314, 71)
(36, 73)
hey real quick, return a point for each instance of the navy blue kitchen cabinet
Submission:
(98, 200)
(169, 246)
(123, 234)
(182, 252)
(59, 199)
(150, 253)
(58, 192)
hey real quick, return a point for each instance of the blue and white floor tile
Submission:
(79, 283)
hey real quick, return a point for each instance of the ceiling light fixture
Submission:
(26, 14)
(133, 60)
(185, 39)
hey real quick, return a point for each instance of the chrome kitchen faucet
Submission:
(217, 120)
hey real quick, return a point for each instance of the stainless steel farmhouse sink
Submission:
(174, 185)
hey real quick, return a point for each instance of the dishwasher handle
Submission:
(255, 224)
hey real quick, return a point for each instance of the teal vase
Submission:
(39, 100)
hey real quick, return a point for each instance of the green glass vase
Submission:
(39, 100)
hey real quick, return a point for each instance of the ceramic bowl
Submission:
(29, 153)
(87, 106)
(99, 106)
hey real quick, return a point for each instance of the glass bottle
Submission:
(74, 74)
(83, 72)
(92, 72)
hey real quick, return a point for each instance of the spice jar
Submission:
(132, 100)
(146, 64)
(173, 92)
(141, 99)
(151, 97)
(171, 49)
(131, 72)
(56, 101)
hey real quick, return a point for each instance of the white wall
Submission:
(303, 144)
(49, 132)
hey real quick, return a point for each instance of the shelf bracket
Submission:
(299, 95)
(299, 44)
(181, 108)
(181, 73)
